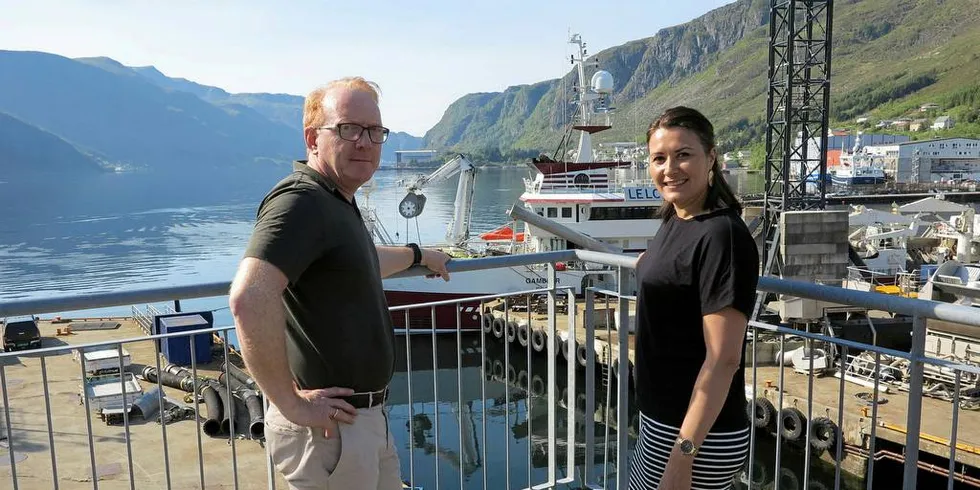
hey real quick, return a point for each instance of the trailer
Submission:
(102, 361)
(106, 392)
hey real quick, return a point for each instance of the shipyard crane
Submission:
(413, 203)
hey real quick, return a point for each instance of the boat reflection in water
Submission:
(489, 420)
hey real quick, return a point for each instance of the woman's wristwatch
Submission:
(687, 447)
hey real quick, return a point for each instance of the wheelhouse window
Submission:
(552, 212)
(623, 212)
(566, 212)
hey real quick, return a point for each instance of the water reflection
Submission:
(489, 420)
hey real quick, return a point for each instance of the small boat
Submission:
(504, 233)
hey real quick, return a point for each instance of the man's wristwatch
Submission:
(417, 258)
(687, 447)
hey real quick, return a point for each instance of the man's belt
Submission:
(367, 399)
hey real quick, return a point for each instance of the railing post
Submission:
(914, 413)
(588, 322)
(552, 373)
(622, 401)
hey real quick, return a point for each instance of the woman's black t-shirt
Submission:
(692, 268)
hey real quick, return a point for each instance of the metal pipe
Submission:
(256, 419)
(10, 436)
(914, 412)
(212, 422)
(165, 378)
(47, 411)
(907, 306)
(242, 376)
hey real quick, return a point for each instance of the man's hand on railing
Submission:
(321, 408)
(436, 260)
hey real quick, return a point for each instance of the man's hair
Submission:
(313, 107)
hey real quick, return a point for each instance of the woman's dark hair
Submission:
(719, 192)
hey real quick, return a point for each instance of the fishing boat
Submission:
(602, 194)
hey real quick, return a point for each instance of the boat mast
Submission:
(585, 139)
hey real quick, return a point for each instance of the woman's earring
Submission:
(711, 177)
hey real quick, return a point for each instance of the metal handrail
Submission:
(919, 309)
(907, 306)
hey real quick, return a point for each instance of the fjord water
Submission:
(120, 232)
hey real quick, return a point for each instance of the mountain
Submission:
(889, 57)
(128, 122)
(26, 150)
(281, 108)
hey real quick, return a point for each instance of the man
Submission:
(309, 307)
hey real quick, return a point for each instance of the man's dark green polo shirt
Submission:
(339, 330)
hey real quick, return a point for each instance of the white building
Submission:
(934, 160)
(942, 122)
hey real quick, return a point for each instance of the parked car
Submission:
(21, 333)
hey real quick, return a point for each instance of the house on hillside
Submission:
(930, 106)
(918, 124)
(943, 122)
(901, 124)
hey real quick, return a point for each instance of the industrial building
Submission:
(935, 160)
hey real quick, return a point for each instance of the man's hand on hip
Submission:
(321, 408)
(436, 260)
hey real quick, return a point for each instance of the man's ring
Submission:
(335, 412)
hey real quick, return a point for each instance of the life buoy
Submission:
(487, 323)
(824, 433)
(539, 340)
(522, 334)
(763, 414)
(794, 423)
(511, 331)
(498, 327)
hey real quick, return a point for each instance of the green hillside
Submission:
(889, 58)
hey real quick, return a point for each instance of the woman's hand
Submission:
(677, 475)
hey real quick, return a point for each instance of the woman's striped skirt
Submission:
(719, 459)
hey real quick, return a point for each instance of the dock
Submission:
(889, 431)
(32, 448)
(959, 196)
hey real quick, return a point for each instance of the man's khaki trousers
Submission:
(363, 457)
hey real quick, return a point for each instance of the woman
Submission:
(697, 287)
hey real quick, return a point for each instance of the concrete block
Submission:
(814, 247)
(834, 216)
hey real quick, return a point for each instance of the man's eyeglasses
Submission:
(353, 132)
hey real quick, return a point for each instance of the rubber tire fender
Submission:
(796, 428)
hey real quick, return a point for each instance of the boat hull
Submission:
(419, 290)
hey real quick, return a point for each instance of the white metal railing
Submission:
(563, 421)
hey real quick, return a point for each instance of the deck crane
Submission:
(412, 205)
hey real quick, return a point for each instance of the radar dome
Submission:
(602, 82)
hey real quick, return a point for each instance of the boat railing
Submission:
(556, 432)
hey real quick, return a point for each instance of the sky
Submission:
(423, 54)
